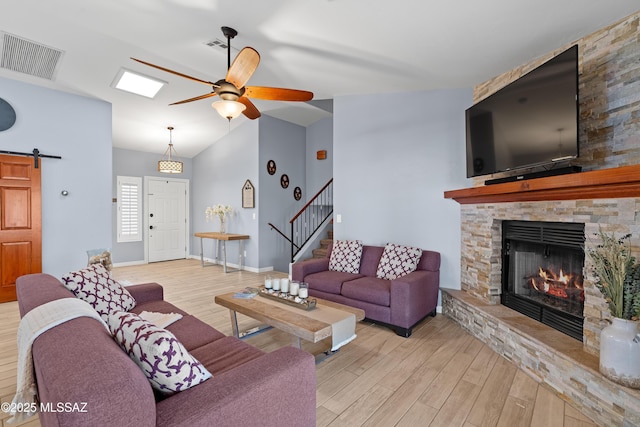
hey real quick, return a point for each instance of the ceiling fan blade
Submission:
(196, 98)
(277, 94)
(251, 111)
(243, 67)
(195, 79)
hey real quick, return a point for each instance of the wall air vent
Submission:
(28, 57)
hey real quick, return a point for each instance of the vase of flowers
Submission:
(618, 279)
(220, 211)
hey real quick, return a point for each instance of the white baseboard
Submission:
(129, 263)
(206, 260)
(231, 265)
(439, 309)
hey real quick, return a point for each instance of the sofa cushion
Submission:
(193, 332)
(329, 281)
(368, 289)
(370, 259)
(345, 256)
(95, 286)
(165, 362)
(226, 354)
(397, 261)
(190, 331)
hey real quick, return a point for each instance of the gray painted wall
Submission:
(140, 164)
(284, 143)
(79, 130)
(219, 173)
(391, 169)
(319, 172)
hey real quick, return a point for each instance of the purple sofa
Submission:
(79, 362)
(399, 304)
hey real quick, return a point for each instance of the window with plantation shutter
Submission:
(129, 209)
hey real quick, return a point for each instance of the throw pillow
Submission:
(345, 256)
(165, 362)
(398, 260)
(95, 286)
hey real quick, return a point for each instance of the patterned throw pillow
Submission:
(95, 286)
(398, 260)
(165, 362)
(345, 256)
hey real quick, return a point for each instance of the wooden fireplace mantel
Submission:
(611, 183)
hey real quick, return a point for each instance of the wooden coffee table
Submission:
(294, 321)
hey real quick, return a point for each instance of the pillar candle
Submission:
(303, 291)
(293, 288)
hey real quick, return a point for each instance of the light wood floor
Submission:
(440, 376)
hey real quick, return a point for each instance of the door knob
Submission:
(151, 227)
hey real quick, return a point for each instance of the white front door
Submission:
(166, 218)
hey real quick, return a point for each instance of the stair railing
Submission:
(273, 227)
(310, 218)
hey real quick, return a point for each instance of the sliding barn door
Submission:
(20, 222)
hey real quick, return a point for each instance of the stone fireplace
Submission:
(607, 199)
(482, 246)
(542, 272)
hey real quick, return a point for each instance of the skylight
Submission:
(137, 83)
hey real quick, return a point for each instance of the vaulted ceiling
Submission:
(329, 47)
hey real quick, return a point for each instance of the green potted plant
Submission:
(618, 279)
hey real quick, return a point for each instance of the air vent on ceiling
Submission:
(219, 44)
(25, 56)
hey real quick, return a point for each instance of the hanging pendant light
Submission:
(168, 164)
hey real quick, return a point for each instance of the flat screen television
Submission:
(533, 121)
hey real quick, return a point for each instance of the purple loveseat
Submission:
(79, 362)
(399, 304)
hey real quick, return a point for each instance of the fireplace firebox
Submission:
(542, 272)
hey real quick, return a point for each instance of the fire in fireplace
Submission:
(542, 272)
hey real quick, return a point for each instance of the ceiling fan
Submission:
(232, 91)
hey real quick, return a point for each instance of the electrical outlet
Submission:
(245, 254)
(338, 218)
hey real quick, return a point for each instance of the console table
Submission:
(223, 237)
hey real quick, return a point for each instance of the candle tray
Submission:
(305, 304)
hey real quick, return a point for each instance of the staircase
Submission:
(321, 252)
(313, 216)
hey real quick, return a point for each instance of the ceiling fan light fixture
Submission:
(229, 109)
(168, 164)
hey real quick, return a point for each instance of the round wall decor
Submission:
(297, 193)
(284, 180)
(271, 167)
(7, 115)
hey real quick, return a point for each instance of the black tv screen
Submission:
(530, 122)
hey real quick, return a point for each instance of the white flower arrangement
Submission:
(218, 210)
